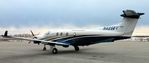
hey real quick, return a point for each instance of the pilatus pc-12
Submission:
(85, 37)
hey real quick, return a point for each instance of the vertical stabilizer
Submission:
(129, 21)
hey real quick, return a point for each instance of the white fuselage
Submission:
(77, 32)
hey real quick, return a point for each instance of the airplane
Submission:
(85, 37)
(141, 37)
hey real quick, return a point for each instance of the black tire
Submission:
(54, 51)
(76, 48)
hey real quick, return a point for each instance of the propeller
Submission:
(33, 36)
(32, 33)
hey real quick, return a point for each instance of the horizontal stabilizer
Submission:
(131, 14)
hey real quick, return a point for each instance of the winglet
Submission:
(6, 33)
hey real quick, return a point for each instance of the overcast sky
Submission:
(68, 12)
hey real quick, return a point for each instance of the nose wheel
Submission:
(44, 48)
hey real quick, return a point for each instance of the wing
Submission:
(29, 39)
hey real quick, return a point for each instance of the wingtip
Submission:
(6, 33)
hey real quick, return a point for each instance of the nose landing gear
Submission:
(44, 48)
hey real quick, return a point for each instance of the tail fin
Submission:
(129, 21)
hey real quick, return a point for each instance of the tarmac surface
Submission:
(114, 52)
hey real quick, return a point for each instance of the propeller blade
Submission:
(32, 33)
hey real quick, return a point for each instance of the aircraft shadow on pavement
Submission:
(83, 52)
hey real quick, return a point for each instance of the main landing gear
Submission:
(53, 50)
(76, 48)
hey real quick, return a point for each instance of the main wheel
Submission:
(54, 51)
(76, 48)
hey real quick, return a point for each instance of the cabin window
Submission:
(57, 34)
(66, 33)
(61, 33)
(74, 33)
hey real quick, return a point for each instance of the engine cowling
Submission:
(65, 46)
(37, 42)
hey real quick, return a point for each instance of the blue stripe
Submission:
(89, 39)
